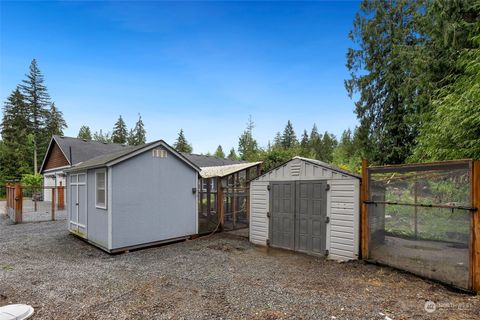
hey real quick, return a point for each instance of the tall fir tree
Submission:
(380, 72)
(102, 137)
(181, 144)
(16, 158)
(305, 150)
(54, 124)
(219, 152)
(232, 155)
(247, 145)
(277, 141)
(138, 134)
(289, 138)
(37, 100)
(120, 133)
(315, 142)
(84, 133)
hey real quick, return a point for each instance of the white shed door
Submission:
(78, 204)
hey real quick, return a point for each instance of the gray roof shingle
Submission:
(201, 160)
(83, 150)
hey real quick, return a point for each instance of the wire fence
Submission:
(35, 204)
(419, 220)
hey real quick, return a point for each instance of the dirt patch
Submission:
(221, 277)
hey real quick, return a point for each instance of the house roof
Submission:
(222, 171)
(209, 161)
(126, 153)
(81, 149)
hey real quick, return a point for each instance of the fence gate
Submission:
(78, 204)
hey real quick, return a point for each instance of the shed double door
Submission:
(298, 216)
(78, 204)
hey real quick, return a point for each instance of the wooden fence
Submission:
(16, 207)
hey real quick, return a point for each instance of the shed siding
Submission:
(342, 205)
(342, 230)
(152, 200)
(259, 203)
(97, 219)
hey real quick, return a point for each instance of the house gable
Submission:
(55, 158)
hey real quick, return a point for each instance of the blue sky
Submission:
(201, 66)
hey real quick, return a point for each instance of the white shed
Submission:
(308, 206)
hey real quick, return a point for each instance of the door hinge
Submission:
(326, 252)
(327, 188)
(268, 242)
(268, 188)
(327, 219)
(268, 214)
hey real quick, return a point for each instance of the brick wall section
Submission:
(55, 158)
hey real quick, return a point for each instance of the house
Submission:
(64, 152)
(307, 206)
(146, 195)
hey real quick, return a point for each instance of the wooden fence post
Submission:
(220, 203)
(475, 254)
(364, 210)
(18, 202)
(61, 197)
(53, 204)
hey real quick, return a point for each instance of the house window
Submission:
(101, 189)
(159, 153)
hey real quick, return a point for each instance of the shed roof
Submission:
(314, 162)
(222, 171)
(126, 153)
(209, 161)
(81, 149)
(328, 166)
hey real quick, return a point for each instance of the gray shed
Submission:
(135, 197)
(308, 206)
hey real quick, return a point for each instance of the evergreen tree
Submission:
(120, 133)
(37, 100)
(347, 155)
(181, 144)
(315, 142)
(137, 136)
(55, 123)
(289, 138)
(305, 150)
(380, 71)
(453, 131)
(247, 145)
(329, 142)
(277, 141)
(232, 155)
(17, 144)
(102, 137)
(219, 152)
(84, 133)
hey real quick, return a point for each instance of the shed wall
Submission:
(342, 205)
(152, 200)
(97, 219)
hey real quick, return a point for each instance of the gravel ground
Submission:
(220, 277)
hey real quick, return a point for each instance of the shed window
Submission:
(101, 189)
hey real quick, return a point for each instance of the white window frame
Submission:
(104, 171)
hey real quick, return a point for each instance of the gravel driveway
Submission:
(220, 277)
